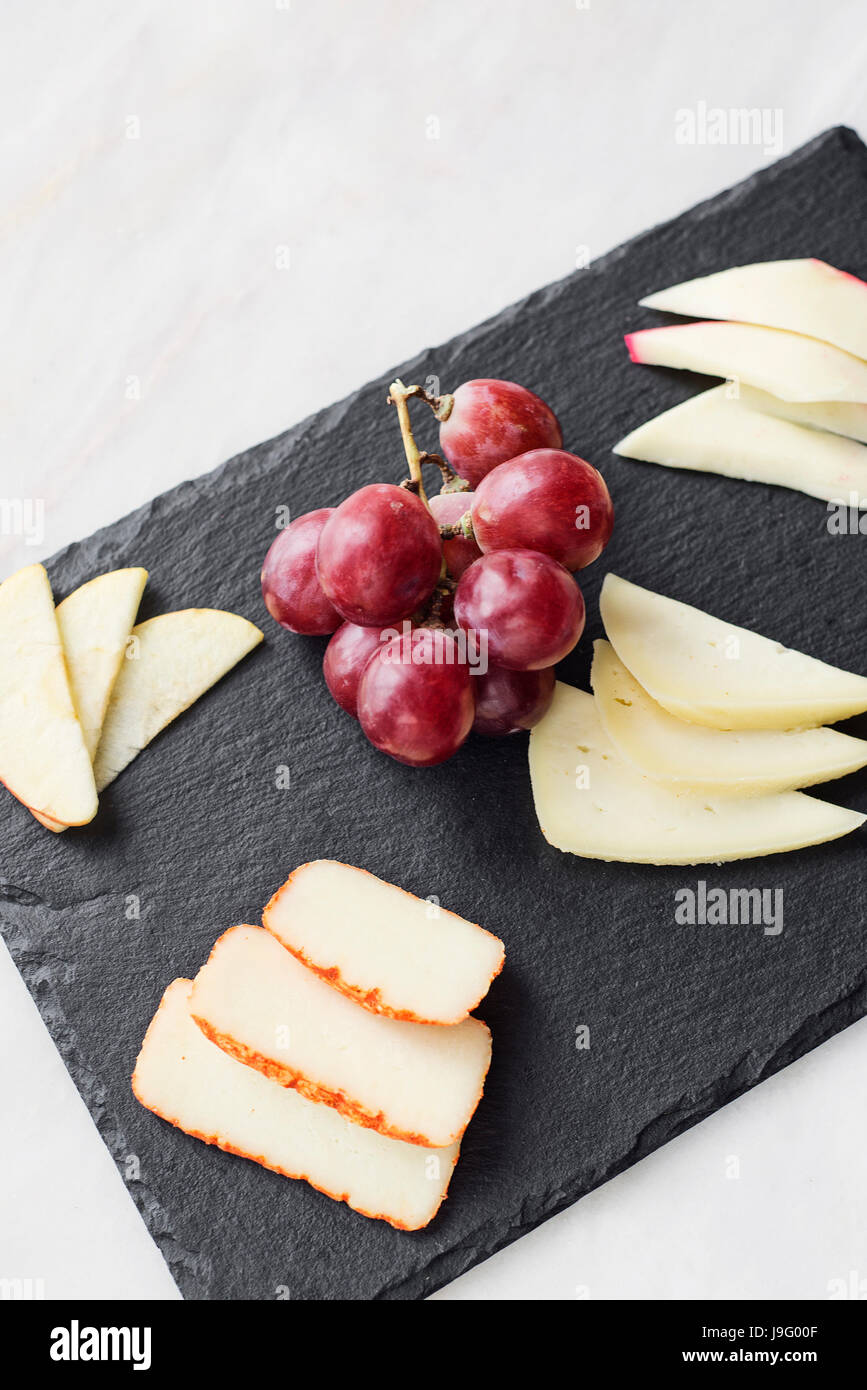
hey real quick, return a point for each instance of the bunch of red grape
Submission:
(449, 614)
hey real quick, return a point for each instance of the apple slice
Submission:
(838, 417)
(173, 660)
(591, 802)
(185, 1079)
(43, 758)
(95, 622)
(786, 364)
(805, 296)
(713, 433)
(688, 757)
(702, 669)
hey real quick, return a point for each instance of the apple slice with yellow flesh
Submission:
(170, 661)
(95, 622)
(804, 296)
(848, 418)
(789, 365)
(713, 433)
(43, 758)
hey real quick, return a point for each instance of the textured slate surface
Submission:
(681, 1019)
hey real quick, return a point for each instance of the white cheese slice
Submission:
(689, 757)
(392, 952)
(188, 1081)
(713, 433)
(804, 296)
(591, 802)
(414, 1081)
(788, 365)
(43, 758)
(711, 672)
(170, 662)
(839, 417)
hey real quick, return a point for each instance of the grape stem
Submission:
(398, 395)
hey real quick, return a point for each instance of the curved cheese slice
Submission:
(786, 364)
(43, 758)
(839, 417)
(392, 952)
(591, 802)
(413, 1081)
(690, 757)
(172, 660)
(712, 433)
(710, 672)
(183, 1078)
(804, 296)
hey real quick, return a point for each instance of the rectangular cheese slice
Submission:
(591, 802)
(413, 1081)
(786, 364)
(804, 296)
(741, 762)
(715, 433)
(710, 672)
(392, 952)
(188, 1081)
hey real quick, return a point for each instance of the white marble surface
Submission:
(161, 162)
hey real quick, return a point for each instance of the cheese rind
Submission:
(592, 803)
(390, 951)
(786, 364)
(803, 296)
(412, 1081)
(43, 758)
(714, 433)
(171, 661)
(185, 1079)
(710, 672)
(690, 757)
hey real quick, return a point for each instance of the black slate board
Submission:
(681, 1019)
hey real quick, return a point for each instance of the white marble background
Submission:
(161, 161)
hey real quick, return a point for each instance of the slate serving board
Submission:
(198, 833)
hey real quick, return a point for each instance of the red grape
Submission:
(415, 698)
(290, 588)
(530, 607)
(492, 421)
(459, 552)
(546, 500)
(507, 701)
(345, 658)
(379, 555)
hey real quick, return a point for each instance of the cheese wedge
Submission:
(183, 1078)
(712, 433)
(804, 296)
(393, 953)
(691, 758)
(171, 661)
(43, 758)
(592, 803)
(839, 417)
(411, 1081)
(710, 672)
(788, 365)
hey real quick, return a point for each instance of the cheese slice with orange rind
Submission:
(412, 1081)
(393, 953)
(185, 1079)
